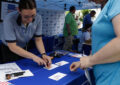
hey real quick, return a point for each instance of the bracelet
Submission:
(43, 54)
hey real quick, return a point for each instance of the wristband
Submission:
(43, 54)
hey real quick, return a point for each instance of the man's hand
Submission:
(47, 59)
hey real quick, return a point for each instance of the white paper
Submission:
(53, 66)
(61, 63)
(27, 73)
(62, 52)
(2, 77)
(76, 55)
(9, 68)
(57, 76)
(12, 68)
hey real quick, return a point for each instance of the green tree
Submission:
(66, 12)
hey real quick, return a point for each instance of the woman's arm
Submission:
(111, 52)
(23, 53)
(39, 44)
(108, 54)
(40, 47)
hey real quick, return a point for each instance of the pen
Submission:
(8, 76)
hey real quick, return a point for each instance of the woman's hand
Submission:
(47, 59)
(39, 61)
(83, 63)
(74, 66)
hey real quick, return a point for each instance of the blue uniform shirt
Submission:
(13, 32)
(103, 33)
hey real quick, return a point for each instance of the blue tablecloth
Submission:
(0, 41)
(0, 50)
(48, 42)
(41, 75)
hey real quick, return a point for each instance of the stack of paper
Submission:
(10, 68)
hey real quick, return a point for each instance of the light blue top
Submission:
(13, 32)
(103, 33)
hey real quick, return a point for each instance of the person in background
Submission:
(105, 57)
(87, 18)
(70, 29)
(86, 35)
(78, 22)
(19, 28)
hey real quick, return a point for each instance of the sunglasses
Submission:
(27, 16)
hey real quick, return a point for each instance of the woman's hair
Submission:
(26, 4)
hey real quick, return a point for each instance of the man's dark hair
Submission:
(72, 8)
(26, 4)
(93, 12)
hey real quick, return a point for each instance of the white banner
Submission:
(7, 7)
(53, 21)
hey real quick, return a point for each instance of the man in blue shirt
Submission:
(87, 18)
(18, 29)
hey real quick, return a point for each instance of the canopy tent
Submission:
(65, 4)
(52, 12)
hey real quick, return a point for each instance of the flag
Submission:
(5, 83)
